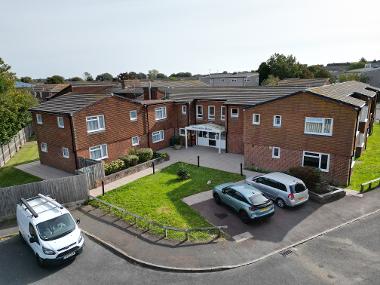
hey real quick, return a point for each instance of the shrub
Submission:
(175, 140)
(114, 166)
(309, 175)
(163, 155)
(130, 160)
(183, 173)
(144, 154)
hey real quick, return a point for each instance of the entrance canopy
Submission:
(210, 127)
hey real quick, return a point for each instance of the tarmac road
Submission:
(350, 255)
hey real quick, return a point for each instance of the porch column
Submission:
(186, 137)
(220, 142)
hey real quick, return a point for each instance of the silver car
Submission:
(284, 189)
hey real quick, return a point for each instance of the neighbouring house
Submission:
(298, 82)
(275, 128)
(239, 79)
(369, 73)
(44, 92)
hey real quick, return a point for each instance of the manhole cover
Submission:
(221, 215)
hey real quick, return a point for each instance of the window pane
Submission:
(311, 161)
(327, 128)
(101, 122)
(313, 127)
(324, 161)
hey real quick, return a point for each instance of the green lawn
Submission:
(367, 166)
(158, 197)
(9, 175)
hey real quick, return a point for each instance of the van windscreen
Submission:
(56, 227)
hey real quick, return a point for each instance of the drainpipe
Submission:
(73, 142)
(147, 123)
(353, 152)
(227, 112)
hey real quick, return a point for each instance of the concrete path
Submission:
(292, 227)
(42, 171)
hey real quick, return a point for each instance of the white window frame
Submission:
(65, 152)
(161, 133)
(323, 121)
(275, 123)
(44, 147)
(39, 119)
(237, 114)
(97, 119)
(223, 110)
(199, 115)
(134, 143)
(180, 130)
(184, 109)
(160, 109)
(133, 117)
(103, 150)
(279, 152)
(320, 159)
(208, 112)
(59, 121)
(256, 122)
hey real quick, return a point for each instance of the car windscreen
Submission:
(298, 188)
(258, 199)
(56, 227)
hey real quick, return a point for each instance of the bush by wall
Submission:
(130, 160)
(144, 154)
(309, 175)
(114, 166)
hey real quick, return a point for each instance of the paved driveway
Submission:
(43, 171)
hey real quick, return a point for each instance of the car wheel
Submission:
(280, 203)
(243, 216)
(217, 199)
(40, 261)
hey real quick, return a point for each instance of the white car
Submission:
(49, 229)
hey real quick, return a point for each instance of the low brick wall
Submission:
(131, 170)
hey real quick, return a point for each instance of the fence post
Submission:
(186, 235)
(154, 170)
(166, 232)
(361, 188)
(198, 160)
(219, 233)
(102, 187)
(241, 169)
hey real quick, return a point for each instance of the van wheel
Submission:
(21, 237)
(243, 216)
(280, 203)
(217, 199)
(40, 261)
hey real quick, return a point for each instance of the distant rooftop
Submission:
(298, 82)
(144, 83)
(231, 75)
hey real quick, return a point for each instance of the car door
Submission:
(226, 197)
(32, 233)
(278, 190)
(263, 184)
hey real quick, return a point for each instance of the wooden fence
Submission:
(7, 151)
(93, 170)
(65, 190)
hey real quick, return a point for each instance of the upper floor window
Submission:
(160, 113)
(182, 131)
(95, 123)
(44, 147)
(256, 119)
(234, 112)
(60, 122)
(65, 152)
(223, 113)
(158, 136)
(133, 115)
(135, 141)
(277, 121)
(98, 152)
(317, 160)
(199, 111)
(318, 126)
(39, 119)
(211, 112)
(184, 109)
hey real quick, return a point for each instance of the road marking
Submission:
(242, 237)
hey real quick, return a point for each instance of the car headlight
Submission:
(48, 251)
(80, 238)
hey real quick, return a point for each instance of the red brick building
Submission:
(275, 128)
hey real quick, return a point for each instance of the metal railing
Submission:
(165, 229)
(371, 185)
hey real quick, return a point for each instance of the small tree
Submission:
(26, 79)
(271, 81)
(75, 78)
(152, 74)
(87, 76)
(104, 77)
(55, 79)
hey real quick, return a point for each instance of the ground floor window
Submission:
(65, 152)
(158, 136)
(276, 152)
(44, 147)
(135, 141)
(317, 160)
(182, 131)
(99, 152)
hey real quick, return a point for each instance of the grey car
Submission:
(284, 189)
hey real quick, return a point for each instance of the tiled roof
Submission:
(298, 82)
(233, 96)
(164, 83)
(69, 103)
(342, 92)
(53, 88)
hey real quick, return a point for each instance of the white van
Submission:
(49, 229)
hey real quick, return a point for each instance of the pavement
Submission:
(349, 255)
(286, 228)
(44, 172)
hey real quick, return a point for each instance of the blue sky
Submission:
(41, 37)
